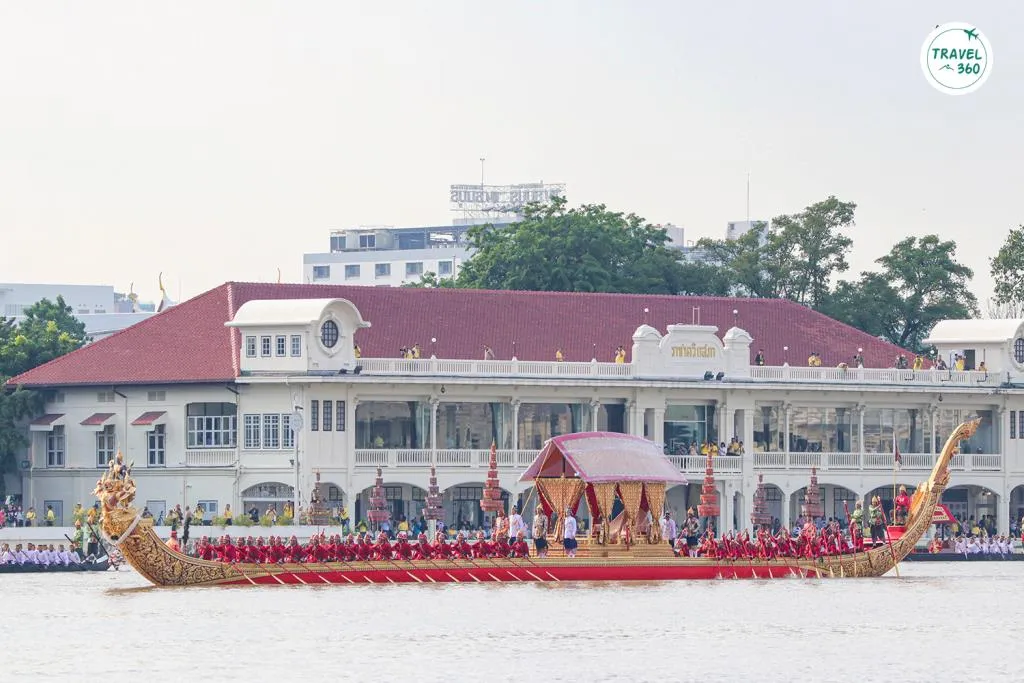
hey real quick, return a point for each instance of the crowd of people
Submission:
(43, 555)
(983, 545)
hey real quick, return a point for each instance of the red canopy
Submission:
(942, 515)
(597, 457)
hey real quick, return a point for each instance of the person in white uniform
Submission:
(569, 534)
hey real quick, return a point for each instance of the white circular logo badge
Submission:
(956, 58)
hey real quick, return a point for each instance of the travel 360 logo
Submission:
(956, 58)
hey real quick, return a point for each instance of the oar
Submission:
(239, 571)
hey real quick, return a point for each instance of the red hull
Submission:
(522, 572)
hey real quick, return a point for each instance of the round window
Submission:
(1018, 350)
(329, 334)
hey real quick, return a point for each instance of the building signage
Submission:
(502, 197)
(694, 351)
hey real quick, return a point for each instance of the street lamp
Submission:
(735, 316)
(433, 342)
(785, 355)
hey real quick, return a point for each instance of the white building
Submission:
(388, 257)
(102, 310)
(237, 396)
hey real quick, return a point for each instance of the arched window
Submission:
(1018, 350)
(329, 334)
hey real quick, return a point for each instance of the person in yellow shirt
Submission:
(620, 355)
(959, 363)
(403, 525)
(415, 351)
(359, 352)
(918, 362)
(51, 516)
(558, 356)
(30, 517)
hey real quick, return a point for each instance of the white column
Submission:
(434, 403)
(659, 426)
(632, 426)
(725, 522)
(788, 408)
(515, 426)
(595, 410)
(1003, 510)
(786, 504)
(860, 431)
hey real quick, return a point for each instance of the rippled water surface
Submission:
(940, 621)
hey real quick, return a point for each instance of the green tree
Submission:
(585, 249)
(430, 280)
(794, 257)
(919, 284)
(818, 247)
(1008, 268)
(48, 330)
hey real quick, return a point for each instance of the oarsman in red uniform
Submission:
(901, 507)
(481, 547)
(364, 549)
(787, 548)
(708, 546)
(347, 550)
(440, 548)
(382, 548)
(228, 552)
(461, 548)
(501, 546)
(294, 553)
(519, 548)
(421, 551)
(205, 549)
(403, 551)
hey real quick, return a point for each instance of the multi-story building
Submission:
(387, 256)
(244, 393)
(102, 310)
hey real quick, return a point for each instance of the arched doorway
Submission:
(462, 506)
(266, 496)
(835, 501)
(1017, 508)
(974, 507)
(774, 499)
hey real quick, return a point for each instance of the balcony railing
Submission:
(593, 369)
(210, 458)
(498, 368)
(788, 373)
(915, 462)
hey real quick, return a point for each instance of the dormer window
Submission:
(329, 334)
(1018, 350)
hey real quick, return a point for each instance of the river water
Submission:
(939, 622)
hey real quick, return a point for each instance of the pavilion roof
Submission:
(599, 457)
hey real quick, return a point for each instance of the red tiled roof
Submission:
(189, 343)
(149, 418)
(96, 419)
(46, 420)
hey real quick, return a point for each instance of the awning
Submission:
(153, 417)
(46, 423)
(597, 457)
(942, 515)
(97, 421)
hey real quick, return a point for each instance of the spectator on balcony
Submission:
(918, 362)
(982, 367)
(759, 358)
(620, 355)
(901, 362)
(559, 357)
(358, 351)
(415, 351)
(227, 514)
(959, 363)
(858, 359)
(940, 364)
(814, 360)
(488, 353)
(271, 514)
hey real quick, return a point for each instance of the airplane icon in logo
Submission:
(971, 33)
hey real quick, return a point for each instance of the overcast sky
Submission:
(220, 141)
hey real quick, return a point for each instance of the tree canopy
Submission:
(1008, 268)
(585, 249)
(47, 330)
(920, 283)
